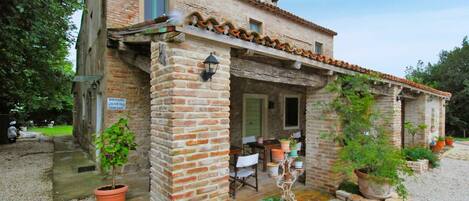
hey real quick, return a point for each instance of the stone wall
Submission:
(190, 122)
(415, 113)
(275, 115)
(90, 46)
(321, 154)
(133, 84)
(240, 13)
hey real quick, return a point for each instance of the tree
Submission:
(450, 73)
(35, 36)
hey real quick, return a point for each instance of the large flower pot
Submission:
(106, 194)
(449, 141)
(372, 189)
(277, 155)
(285, 144)
(440, 145)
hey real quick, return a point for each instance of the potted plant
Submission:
(440, 144)
(298, 163)
(449, 140)
(285, 144)
(293, 148)
(114, 145)
(367, 150)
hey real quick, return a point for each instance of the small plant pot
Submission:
(105, 193)
(272, 169)
(285, 144)
(293, 153)
(298, 164)
(449, 142)
(277, 155)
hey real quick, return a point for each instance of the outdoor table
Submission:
(266, 146)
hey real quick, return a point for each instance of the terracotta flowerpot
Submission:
(372, 189)
(106, 194)
(285, 144)
(440, 145)
(449, 142)
(277, 155)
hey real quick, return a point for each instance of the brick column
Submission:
(321, 154)
(189, 122)
(442, 120)
(390, 114)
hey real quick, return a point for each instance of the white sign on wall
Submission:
(116, 103)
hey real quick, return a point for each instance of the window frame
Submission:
(298, 97)
(321, 46)
(142, 9)
(258, 23)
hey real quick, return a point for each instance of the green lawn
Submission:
(461, 139)
(59, 130)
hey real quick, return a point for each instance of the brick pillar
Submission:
(189, 122)
(442, 119)
(389, 110)
(321, 154)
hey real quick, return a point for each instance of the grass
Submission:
(60, 130)
(461, 139)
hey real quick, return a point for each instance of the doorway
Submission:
(255, 115)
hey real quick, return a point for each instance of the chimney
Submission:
(271, 2)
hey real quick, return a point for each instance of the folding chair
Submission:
(244, 168)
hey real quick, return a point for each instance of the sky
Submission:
(382, 35)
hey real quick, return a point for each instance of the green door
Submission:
(253, 121)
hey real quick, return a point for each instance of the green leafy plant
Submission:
(449, 137)
(441, 139)
(418, 153)
(272, 198)
(293, 144)
(366, 143)
(115, 144)
(413, 130)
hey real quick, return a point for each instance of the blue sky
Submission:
(383, 35)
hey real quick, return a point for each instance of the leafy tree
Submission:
(35, 36)
(450, 73)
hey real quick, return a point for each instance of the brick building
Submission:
(134, 61)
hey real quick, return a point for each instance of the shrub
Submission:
(418, 153)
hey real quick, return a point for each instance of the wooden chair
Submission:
(244, 168)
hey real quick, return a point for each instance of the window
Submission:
(255, 25)
(318, 48)
(154, 8)
(291, 112)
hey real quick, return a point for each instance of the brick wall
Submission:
(415, 113)
(122, 13)
(131, 83)
(321, 154)
(190, 122)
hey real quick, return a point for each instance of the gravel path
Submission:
(25, 169)
(449, 182)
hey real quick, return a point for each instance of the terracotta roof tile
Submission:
(229, 29)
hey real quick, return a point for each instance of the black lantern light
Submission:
(400, 96)
(211, 67)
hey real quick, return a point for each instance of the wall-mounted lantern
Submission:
(400, 96)
(211, 67)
